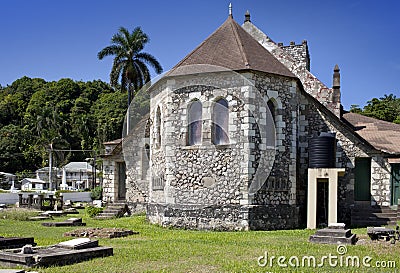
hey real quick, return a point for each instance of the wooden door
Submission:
(362, 176)
(395, 187)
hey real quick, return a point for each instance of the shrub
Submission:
(92, 211)
(96, 193)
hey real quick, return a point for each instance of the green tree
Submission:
(108, 113)
(14, 147)
(355, 108)
(64, 113)
(15, 98)
(130, 63)
(385, 108)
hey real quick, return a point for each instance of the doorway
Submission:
(322, 202)
(121, 180)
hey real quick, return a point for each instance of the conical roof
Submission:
(230, 46)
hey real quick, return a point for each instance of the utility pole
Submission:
(50, 168)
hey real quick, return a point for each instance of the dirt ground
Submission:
(100, 232)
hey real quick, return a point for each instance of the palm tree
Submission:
(129, 62)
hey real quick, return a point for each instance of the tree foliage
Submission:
(66, 114)
(386, 108)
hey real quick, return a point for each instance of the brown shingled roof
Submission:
(230, 46)
(383, 135)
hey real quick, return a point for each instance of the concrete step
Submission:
(375, 215)
(372, 223)
(113, 210)
(374, 210)
(363, 215)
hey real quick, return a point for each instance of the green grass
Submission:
(157, 249)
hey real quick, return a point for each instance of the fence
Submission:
(40, 202)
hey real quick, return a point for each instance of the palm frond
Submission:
(116, 72)
(144, 72)
(120, 40)
(139, 40)
(150, 60)
(107, 51)
(139, 79)
(124, 32)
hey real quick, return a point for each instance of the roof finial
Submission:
(247, 16)
(230, 9)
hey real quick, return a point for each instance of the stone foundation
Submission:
(273, 217)
(224, 217)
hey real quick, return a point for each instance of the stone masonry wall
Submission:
(137, 179)
(280, 187)
(110, 186)
(299, 53)
(218, 178)
(199, 174)
(380, 181)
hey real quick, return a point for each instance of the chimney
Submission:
(336, 78)
(336, 103)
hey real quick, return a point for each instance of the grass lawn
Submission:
(157, 249)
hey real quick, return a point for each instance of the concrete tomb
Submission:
(15, 242)
(68, 252)
(67, 223)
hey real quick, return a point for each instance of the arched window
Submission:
(220, 122)
(195, 113)
(271, 107)
(158, 126)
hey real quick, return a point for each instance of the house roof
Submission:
(382, 135)
(7, 174)
(230, 46)
(46, 169)
(33, 180)
(78, 166)
(113, 142)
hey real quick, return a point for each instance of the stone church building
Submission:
(232, 133)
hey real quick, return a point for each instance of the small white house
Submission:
(29, 184)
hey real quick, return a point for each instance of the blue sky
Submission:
(60, 39)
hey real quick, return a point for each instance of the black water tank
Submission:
(321, 152)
